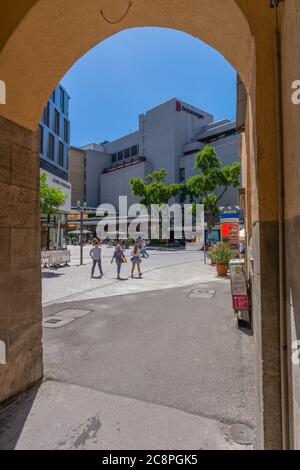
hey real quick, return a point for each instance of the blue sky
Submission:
(132, 71)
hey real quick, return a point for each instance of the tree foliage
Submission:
(202, 187)
(50, 198)
(153, 189)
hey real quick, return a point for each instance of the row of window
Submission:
(61, 99)
(126, 153)
(51, 147)
(56, 123)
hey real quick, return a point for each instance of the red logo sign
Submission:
(178, 106)
(240, 302)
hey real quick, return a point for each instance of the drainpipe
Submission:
(282, 260)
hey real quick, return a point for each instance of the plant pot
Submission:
(222, 270)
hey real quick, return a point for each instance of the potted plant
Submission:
(210, 255)
(222, 254)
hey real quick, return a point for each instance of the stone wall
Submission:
(20, 274)
(290, 35)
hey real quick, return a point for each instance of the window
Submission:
(181, 175)
(61, 154)
(62, 99)
(47, 114)
(114, 158)
(66, 131)
(120, 155)
(56, 122)
(41, 139)
(127, 153)
(134, 150)
(50, 153)
(53, 97)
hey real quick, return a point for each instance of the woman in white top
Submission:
(136, 260)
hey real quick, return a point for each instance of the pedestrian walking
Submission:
(119, 258)
(242, 248)
(136, 260)
(95, 254)
(144, 252)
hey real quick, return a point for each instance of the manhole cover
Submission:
(63, 317)
(202, 293)
(53, 320)
(72, 313)
(242, 434)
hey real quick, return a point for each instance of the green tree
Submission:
(153, 189)
(50, 201)
(202, 188)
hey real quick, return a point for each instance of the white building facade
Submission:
(169, 136)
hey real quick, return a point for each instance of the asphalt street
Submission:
(161, 368)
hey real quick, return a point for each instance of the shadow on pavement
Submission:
(13, 417)
(49, 275)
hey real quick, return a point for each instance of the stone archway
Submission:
(39, 44)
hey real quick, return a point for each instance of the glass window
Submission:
(66, 131)
(62, 99)
(61, 154)
(134, 150)
(53, 97)
(56, 122)
(50, 153)
(114, 158)
(47, 114)
(127, 153)
(182, 174)
(41, 139)
(120, 155)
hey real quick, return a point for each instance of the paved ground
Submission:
(160, 271)
(156, 368)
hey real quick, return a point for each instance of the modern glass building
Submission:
(54, 154)
(55, 134)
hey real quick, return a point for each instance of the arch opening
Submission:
(33, 58)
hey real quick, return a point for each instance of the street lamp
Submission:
(82, 211)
